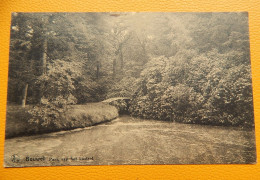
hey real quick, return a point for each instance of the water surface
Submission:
(129, 140)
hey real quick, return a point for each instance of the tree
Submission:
(21, 68)
(57, 93)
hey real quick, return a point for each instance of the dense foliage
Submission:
(184, 67)
(203, 84)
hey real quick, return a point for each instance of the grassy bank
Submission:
(77, 116)
(90, 114)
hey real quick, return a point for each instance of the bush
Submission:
(190, 88)
(76, 116)
(56, 93)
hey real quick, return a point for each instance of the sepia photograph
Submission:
(129, 88)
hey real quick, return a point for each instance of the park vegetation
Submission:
(20, 121)
(183, 67)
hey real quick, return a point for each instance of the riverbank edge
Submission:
(78, 116)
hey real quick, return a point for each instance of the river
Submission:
(129, 140)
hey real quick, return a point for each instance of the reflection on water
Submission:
(128, 140)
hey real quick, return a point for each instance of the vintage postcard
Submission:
(129, 88)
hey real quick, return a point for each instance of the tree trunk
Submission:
(114, 68)
(121, 59)
(44, 56)
(145, 55)
(98, 69)
(24, 96)
(143, 44)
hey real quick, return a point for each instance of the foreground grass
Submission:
(77, 116)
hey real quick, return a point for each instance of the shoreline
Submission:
(78, 116)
